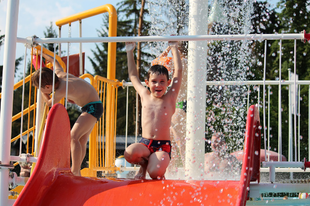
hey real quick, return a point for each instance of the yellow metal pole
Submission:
(46, 51)
(111, 101)
(46, 108)
(112, 30)
(92, 139)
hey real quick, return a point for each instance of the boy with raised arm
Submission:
(152, 153)
(81, 93)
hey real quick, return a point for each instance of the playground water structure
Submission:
(55, 170)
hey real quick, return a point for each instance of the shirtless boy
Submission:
(81, 93)
(152, 153)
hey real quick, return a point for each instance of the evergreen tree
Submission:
(293, 18)
(127, 25)
(50, 33)
(264, 21)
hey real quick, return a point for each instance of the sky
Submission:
(35, 16)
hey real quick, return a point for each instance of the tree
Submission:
(264, 22)
(138, 100)
(292, 19)
(128, 19)
(169, 17)
(50, 33)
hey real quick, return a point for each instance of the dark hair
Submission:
(160, 69)
(46, 77)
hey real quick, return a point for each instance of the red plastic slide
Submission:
(52, 183)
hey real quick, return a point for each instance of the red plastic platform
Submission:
(52, 183)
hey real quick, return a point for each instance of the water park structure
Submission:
(51, 181)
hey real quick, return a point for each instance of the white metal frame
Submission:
(197, 56)
(195, 35)
(7, 97)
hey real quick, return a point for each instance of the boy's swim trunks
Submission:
(157, 145)
(94, 108)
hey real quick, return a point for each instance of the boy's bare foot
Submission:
(140, 175)
(76, 173)
(159, 178)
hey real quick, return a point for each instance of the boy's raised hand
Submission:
(130, 46)
(172, 43)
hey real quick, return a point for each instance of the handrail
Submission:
(34, 105)
(112, 82)
(89, 76)
(58, 58)
(25, 132)
(102, 138)
(18, 84)
(240, 37)
(25, 111)
(88, 13)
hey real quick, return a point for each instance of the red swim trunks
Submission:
(157, 145)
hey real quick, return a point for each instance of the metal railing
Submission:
(102, 141)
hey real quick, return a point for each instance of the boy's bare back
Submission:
(79, 91)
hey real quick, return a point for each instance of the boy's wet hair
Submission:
(160, 69)
(46, 77)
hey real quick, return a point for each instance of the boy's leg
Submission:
(83, 142)
(138, 154)
(158, 163)
(79, 134)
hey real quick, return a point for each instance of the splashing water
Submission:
(226, 61)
